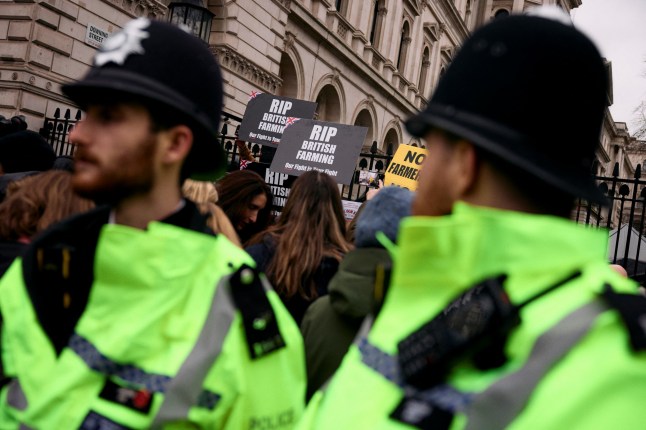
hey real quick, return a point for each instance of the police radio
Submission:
(474, 326)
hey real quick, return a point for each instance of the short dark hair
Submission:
(164, 117)
(543, 197)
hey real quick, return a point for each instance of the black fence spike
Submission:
(638, 171)
(78, 115)
(615, 170)
(57, 113)
(373, 148)
(68, 114)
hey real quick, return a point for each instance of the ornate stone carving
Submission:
(342, 29)
(336, 76)
(234, 62)
(433, 31)
(289, 41)
(447, 51)
(284, 3)
(415, 5)
(148, 8)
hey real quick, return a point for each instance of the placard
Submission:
(280, 184)
(404, 168)
(266, 117)
(317, 145)
(350, 209)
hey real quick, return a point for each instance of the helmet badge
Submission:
(118, 47)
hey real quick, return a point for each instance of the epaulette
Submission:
(259, 319)
(632, 309)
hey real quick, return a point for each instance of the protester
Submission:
(12, 125)
(501, 312)
(25, 151)
(33, 204)
(246, 199)
(22, 153)
(135, 315)
(63, 162)
(332, 322)
(204, 195)
(302, 251)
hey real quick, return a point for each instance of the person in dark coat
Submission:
(302, 251)
(22, 153)
(25, 151)
(332, 322)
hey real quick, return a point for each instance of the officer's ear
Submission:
(468, 165)
(178, 141)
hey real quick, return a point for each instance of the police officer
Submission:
(501, 312)
(135, 315)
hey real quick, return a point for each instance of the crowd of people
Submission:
(144, 287)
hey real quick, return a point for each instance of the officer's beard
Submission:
(121, 178)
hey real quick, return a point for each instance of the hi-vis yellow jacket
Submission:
(570, 362)
(162, 343)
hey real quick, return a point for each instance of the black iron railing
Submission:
(624, 219)
(56, 131)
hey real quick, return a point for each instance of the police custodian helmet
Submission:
(531, 90)
(163, 64)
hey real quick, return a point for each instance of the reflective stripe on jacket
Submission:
(159, 344)
(593, 380)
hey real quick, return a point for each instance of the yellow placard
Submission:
(404, 168)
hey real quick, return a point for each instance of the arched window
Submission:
(423, 71)
(288, 74)
(342, 6)
(376, 23)
(391, 140)
(501, 13)
(329, 104)
(404, 42)
(364, 119)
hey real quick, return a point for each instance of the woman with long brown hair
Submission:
(302, 251)
(246, 199)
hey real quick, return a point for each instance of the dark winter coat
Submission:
(332, 322)
(262, 254)
(9, 251)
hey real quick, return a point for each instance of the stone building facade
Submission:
(366, 62)
(45, 43)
